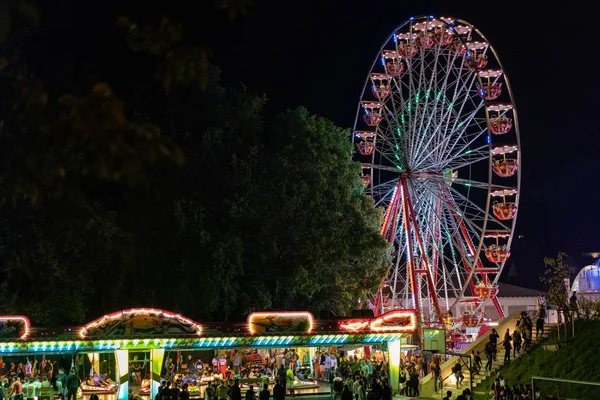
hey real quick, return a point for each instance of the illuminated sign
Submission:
(395, 321)
(141, 321)
(277, 322)
(14, 327)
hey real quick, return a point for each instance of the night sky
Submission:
(317, 53)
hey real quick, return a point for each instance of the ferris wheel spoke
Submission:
(460, 125)
(458, 251)
(474, 206)
(446, 122)
(470, 157)
(441, 93)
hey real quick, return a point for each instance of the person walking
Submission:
(457, 370)
(489, 354)
(494, 339)
(507, 348)
(435, 368)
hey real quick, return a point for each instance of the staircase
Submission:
(426, 387)
(449, 384)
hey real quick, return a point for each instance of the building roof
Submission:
(507, 290)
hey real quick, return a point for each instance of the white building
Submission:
(587, 282)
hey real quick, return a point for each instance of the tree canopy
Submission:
(557, 272)
(176, 193)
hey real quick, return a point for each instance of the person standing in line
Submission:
(250, 395)
(278, 391)
(165, 394)
(184, 394)
(346, 393)
(315, 365)
(289, 379)
(327, 365)
(29, 389)
(338, 387)
(322, 367)
(16, 389)
(73, 383)
(235, 393)
(264, 394)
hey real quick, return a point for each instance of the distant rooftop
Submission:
(507, 290)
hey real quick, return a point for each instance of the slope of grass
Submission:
(577, 360)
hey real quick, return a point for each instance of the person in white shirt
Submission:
(327, 366)
(333, 362)
(355, 385)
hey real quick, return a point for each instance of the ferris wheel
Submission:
(437, 135)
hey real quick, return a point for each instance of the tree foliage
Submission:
(557, 270)
(100, 212)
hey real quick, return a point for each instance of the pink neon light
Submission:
(21, 318)
(355, 326)
(282, 314)
(377, 324)
(142, 311)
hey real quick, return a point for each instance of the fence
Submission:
(564, 389)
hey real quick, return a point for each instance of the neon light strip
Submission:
(306, 314)
(141, 311)
(21, 318)
(183, 343)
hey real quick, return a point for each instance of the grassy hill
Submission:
(577, 359)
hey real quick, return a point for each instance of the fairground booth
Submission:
(129, 352)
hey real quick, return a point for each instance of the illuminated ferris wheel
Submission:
(437, 135)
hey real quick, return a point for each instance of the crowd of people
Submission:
(29, 387)
(347, 375)
(220, 390)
